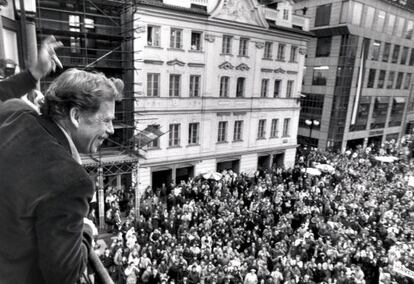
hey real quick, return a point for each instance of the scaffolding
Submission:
(98, 35)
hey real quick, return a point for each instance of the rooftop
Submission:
(195, 9)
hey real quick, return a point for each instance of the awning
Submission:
(382, 100)
(399, 100)
(119, 158)
(146, 136)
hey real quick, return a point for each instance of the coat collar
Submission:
(53, 129)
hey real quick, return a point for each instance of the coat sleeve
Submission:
(17, 85)
(63, 242)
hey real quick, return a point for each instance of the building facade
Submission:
(358, 72)
(222, 80)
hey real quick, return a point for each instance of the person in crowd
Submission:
(45, 189)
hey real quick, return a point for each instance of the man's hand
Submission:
(47, 59)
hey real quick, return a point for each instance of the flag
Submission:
(146, 136)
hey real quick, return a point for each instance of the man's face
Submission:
(95, 128)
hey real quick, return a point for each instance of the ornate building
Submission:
(222, 79)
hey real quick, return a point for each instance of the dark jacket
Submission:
(44, 198)
(16, 86)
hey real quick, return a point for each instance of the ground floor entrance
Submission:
(354, 143)
(278, 160)
(161, 177)
(183, 174)
(263, 162)
(376, 140)
(228, 165)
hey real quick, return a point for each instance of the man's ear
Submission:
(74, 115)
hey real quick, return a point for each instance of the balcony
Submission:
(300, 21)
(166, 104)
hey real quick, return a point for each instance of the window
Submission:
(261, 130)
(89, 23)
(196, 41)
(238, 130)
(320, 73)
(74, 26)
(226, 47)
(264, 89)
(379, 113)
(379, 20)
(323, 47)
(390, 82)
(323, 15)
(407, 81)
(274, 128)
(286, 14)
(371, 78)
(240, 87)
(153, 36)
(376, 46)
(369, 17)
(174, 135)
(195, 85)
(356, 13)
(400, 26)
(311, 108)
(176, 38)
(156, 142)
(243, 46)
(399, 81)
(395, 54)
(276, 90)
(411, 62)
(153, 83)
(409, 30)
(386, 52)
(268, 50)
(404, 55)
(175, 85)
(281, 51)
(381, 79)
(397, 111)
(289, 88)
(193, 133)
(389, 28)
(222, 131)
(286, 123)
(224, 86)
(293, 53)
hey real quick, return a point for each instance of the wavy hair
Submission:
(81, 89)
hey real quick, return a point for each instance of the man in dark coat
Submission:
(45, 190)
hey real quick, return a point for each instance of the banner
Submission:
(401, 269)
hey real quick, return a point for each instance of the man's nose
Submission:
(110, 129)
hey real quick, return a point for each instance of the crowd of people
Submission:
(352, 224)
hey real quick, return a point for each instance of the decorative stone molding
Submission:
(292, 72)
(196, 65)
(280, 70)
(239, 113)
(154, 62)
(175, 62)
(226, 65)
(243, 67)
(266, 70)
(259, 45)
(209, 37)
(302, 50)
(223, 113)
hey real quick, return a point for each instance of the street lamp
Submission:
(311, 123)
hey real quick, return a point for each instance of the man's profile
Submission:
(45, 190)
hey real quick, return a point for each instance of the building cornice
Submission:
(230, 25)
(219, 156)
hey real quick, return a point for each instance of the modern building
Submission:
(358, 72)
(222, 79)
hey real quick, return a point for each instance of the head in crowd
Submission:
(83, 103)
